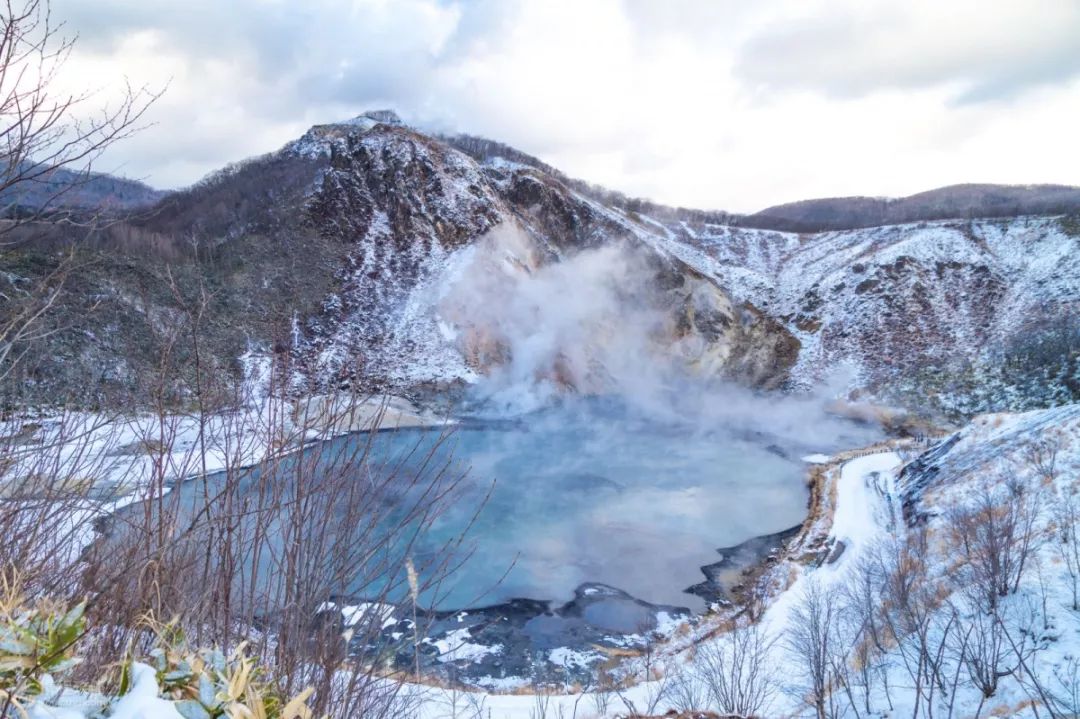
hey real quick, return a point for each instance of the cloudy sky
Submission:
(721, 104)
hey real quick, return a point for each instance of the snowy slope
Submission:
(422, 222)
(899, 310)
(890, 302)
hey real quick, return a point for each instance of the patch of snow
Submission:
(574, 658)
(455, 646)
(142, 700)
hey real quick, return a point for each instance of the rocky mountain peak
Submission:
(385, 117)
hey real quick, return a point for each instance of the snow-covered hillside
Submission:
(336, 253)
(932, 309)
(907, 305)
(436, 242)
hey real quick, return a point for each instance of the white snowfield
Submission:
(102, 463)
(114, 456)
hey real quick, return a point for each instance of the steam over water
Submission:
(588, 490)
(595, 493)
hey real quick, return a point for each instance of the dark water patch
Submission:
(724, 578)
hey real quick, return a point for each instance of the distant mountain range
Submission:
(60, 188)
(944, 203)
(964, 201)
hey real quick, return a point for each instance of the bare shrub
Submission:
(911, 614)
(817, 648)
(1041, 456)
(1066, 512)
(863, 607)
(998, 533)
(983, 650)
(266, 547)
(735, 672)
(658, 673)
(1063, 690)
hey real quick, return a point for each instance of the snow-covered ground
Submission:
(115, 454)
(862, 502)
(869, 500)
(99, 463)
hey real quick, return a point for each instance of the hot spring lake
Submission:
(594, 495)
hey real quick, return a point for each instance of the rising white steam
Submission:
(543, 328)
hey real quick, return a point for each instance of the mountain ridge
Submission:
(342, 251)
(960, 201)
(811, 215)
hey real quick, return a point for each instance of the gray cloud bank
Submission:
(984, 54)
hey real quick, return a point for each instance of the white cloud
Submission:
(713, 104)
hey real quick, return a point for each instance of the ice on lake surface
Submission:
(598, 494)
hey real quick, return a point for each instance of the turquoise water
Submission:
(637, 506)
(591, 493)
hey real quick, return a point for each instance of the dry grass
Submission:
(247, 558)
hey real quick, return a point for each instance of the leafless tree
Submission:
(817, 648)
(911, 604)
(603, 691)
(245, 553)
(657, 672)
(863, 614)
(983, 650)
(1063, 689)
(1066, 511)
(736, 671)
(49, 142)
(45, 134)
(998, 533)
(688, 691)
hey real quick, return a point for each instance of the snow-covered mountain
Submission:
(437, 246)
(373, 254)
(922, 307)
(956, 310)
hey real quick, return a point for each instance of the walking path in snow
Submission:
(864, 513)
